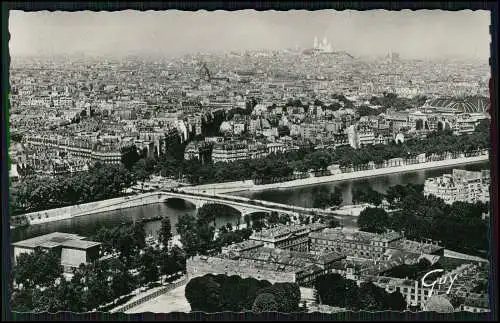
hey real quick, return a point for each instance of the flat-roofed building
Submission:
(72, 249)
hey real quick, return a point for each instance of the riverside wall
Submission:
(69, 212)
(220, 188)
(372, 172)
(233, 187)
(72, 211)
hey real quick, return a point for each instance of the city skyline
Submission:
(413, 34)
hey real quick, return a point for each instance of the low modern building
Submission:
(72, 249)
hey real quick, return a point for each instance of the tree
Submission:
(122, 282)
(149, 266)
(223, 230)
(165, 232)
(483, 127)
(22, 300)
(371, 297)
(351, 295)
(331, 289)
(273, 218)
(38, 268)
(97, 282)
(373, 220)
(287, 296)
(333, 223)
(203, 294)
(367, 195)
(257, 220)
(395, 301)
(172, 261)
(284, 219)
(265, 302)
(104, 236)
(187, 229)
(130, 156)
(140, 172)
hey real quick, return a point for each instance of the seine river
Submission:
(87, 225)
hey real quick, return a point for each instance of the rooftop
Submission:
(80, 244)
(415, 247)
(279, 256)
(290, 258)
(246, 263)
(244, 245)
(56, 239)
(338, 234)
(387, 236)
(285, 230)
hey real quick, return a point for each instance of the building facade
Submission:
(461, 185)
(72, 249)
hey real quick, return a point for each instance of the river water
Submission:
(87, 225)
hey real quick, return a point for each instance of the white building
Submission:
(461, 185)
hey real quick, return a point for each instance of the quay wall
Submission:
(233, 187)
(72, 211)
(221, 188)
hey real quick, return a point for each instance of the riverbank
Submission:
(235, 187)
(73, 211)
(125, 202)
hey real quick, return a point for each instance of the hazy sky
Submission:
(414, 34)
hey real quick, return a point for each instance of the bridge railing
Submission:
(150, 296)
(261, 203)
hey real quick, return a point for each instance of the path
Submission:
(172, 301)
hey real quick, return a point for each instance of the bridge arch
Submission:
(221, 206)
(176, 201)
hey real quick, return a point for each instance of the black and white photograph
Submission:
(249, 161)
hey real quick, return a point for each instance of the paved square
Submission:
(172, 301)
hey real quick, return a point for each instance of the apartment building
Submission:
(252, 259)
(292, 237)
(461, 185)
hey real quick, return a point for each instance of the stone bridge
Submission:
(243, 205)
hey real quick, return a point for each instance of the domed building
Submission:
(473, 104)
(440, 304)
